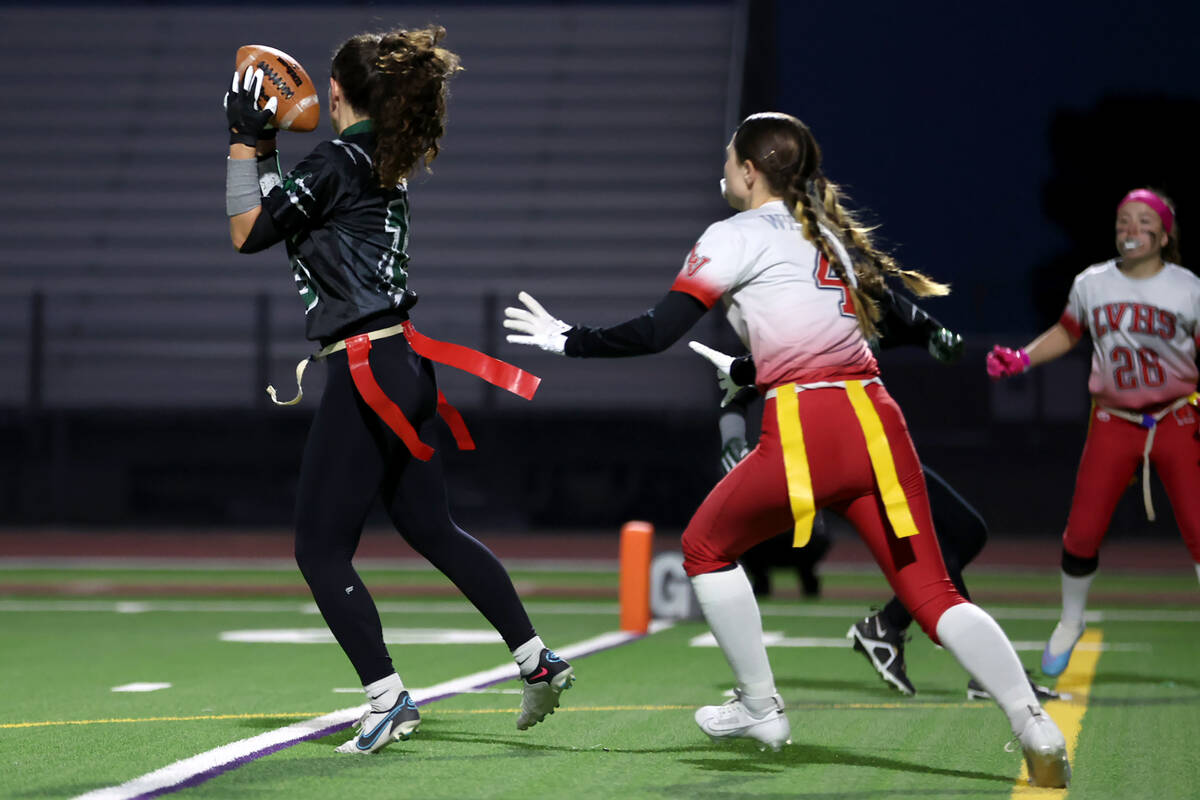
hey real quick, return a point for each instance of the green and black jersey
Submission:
(346, 236)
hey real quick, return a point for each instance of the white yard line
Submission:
(199, 768)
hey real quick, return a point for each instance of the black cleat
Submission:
(1044, 693)
(884, 648)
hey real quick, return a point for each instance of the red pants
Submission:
(751, 505)
(1111, 454)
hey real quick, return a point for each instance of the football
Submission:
(299, 106)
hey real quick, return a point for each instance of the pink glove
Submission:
(1004, 363)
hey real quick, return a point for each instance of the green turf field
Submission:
(625, 730)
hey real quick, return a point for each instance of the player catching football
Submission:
(343, 212)
(1142, 311)
(831, 434)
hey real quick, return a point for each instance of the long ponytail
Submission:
(400, 80)
(785, 151)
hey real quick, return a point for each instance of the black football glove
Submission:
(945, 345)
(247, 122)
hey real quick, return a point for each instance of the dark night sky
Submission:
(940, 124)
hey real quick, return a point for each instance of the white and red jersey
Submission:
(1144, 333)
(781, 296)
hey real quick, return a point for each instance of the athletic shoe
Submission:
(884, 648)
(1043, 693)
(377, 729)
(1045, 751)
(1057, 654)
(539, 695)
(732, 720)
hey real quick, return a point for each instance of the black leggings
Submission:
(351, 457)
(961, 533)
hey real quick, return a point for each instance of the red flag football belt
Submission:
(493, 370)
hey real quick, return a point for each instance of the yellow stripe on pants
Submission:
(795, 463)
(894, 500)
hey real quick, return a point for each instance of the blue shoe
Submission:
(1054, 663)
(377, 729)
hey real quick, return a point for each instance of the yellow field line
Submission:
(441, 712)
(1068, 714)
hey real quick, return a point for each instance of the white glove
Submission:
(536, 325)
(723, 363)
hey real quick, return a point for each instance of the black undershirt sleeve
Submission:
(262, 235)
(652, 332)
(903, 323)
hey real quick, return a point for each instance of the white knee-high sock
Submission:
(979, 644)
(732, 613)
(1074, 598)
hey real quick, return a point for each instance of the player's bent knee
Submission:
(700, 557)
(929, 613)
(1079, 566)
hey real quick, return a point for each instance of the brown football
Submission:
(299, 108)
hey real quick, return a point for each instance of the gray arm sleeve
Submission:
(241, 186)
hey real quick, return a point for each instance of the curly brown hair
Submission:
(398, 79)
(785, 151)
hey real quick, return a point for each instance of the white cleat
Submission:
(377, 729)
(733, 720)
(1045, 751)
(540, 691)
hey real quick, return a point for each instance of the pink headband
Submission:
(1155, 202)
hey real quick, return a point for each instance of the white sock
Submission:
(1198, 572)
(979, 644)
(382, 693)
(732, 613)
(527, 654)
(1074, 598)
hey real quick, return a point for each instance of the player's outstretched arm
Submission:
(1052, 344)
(650, 332)
(1003, 362)
(247, 123)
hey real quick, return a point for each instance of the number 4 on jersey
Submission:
(826, 278)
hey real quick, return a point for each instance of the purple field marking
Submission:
(590, 647)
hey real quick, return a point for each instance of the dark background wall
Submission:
(993, 140)
(991, 144)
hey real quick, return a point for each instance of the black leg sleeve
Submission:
(340, 475)
(417, 503)
(961, 530)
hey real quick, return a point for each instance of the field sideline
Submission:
(110, 680)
